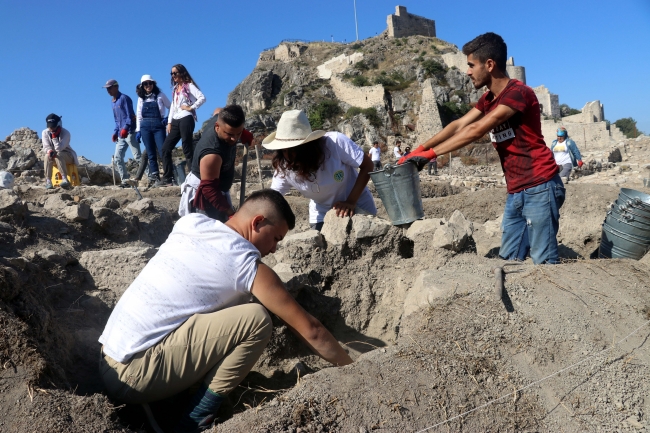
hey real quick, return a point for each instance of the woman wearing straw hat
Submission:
(151, 122)
(322, 167)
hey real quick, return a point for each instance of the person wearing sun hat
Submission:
(566, 154)
(56, 146)
(322, 166)
(151, 122)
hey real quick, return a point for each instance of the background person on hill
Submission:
(124, 132)
(566, 153)
(56, 146)
(509, 110)
(397, 150)
(188, 317)
(321, 166)
(375, 155)
(186, 98)
(151, 122)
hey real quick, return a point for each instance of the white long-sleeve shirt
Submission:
(196, 99)
(163, 102)
(58, 144)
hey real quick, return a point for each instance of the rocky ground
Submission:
(415, 306)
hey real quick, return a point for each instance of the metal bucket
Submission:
(398, 187)
(637, 198)
(628, 225)
(638, 213)
(615, 244)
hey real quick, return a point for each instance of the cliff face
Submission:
(370, 90)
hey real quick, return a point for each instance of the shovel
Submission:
(242, 192)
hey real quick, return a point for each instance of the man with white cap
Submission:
(322, 166)
(124, 132)
(56, 146)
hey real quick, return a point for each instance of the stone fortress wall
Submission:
(549, 102)
(338, 64)
(429, 122)
(458, 60)
(362, 97)
(403, 24)
(285, 52)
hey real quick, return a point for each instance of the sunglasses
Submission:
(148, 83)
(173, 74)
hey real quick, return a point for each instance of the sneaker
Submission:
(65, 184)
(124, 184)
(48, 185)
(161, 183)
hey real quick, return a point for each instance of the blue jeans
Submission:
(120, 151)
(153, 137)
(531, 221)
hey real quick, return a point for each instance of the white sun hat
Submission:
(146, 77)
(293, 130)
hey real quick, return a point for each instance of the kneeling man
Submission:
(188, 317)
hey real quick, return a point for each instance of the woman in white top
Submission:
(151, 122)
(186, 98)
(322, 167)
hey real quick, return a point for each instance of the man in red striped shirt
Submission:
(510, 112)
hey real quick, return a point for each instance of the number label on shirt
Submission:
(502, 132)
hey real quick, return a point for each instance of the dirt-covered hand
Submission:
(344, 208)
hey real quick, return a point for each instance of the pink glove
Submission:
(580, 164)
(420, 157)
(124, 133)
(114, 138)
(246, 137)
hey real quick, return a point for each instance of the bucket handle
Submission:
(627, 216)
(388, 170)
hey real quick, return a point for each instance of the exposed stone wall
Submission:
(588, 136)
(404, 24)
(429, 122)
(338, 64)
(515, 72)
(592, 112)
(266, 56)
(362, 97)
(457, 60)
(549, 102)
(286, 52)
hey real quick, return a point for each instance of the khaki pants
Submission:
(218, 348)
(62, 159)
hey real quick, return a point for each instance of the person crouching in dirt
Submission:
(509, 110)
(56, 146)
(322, 167)
(188, 316)
(566, 154)
(207, 187)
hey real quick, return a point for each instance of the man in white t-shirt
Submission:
(397, 150)
(188, 316)
(375, 155)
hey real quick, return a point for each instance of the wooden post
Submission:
(259, 164)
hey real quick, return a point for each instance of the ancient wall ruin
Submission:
(286, 52)
(515, 72)
(429, 122)
(549, 102)
(338, 64)
(457, 60)
(362, 97)
(592, 112)
(403, 24)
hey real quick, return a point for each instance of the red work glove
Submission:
(246, 137)
(420, 157)
(114, 138)
(580, 164)
(124, 133)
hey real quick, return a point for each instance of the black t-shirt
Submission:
(210, 144)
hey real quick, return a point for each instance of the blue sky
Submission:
(57, 55)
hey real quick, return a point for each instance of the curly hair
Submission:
(306, 159)
(185, 76)
(139, 90)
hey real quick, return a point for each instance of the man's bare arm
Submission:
(210, 166)
(269, 290)
(454, 127)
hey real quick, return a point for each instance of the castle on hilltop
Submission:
(403, 24)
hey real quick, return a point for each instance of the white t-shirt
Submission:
(333, 180)
(561, 154)
(396, 151)
(203, 266)
(375, 154)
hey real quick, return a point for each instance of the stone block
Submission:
(308, 239)
(107, 202)
(57, 202)
(458, 219)
(294, 282)
(335, 229)
(10, 204)
(424, 228)
(79, 212)
(139, 207)
(365, 226)
(115, 269)
(450, 237)
(51, 256)
(425, 291)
